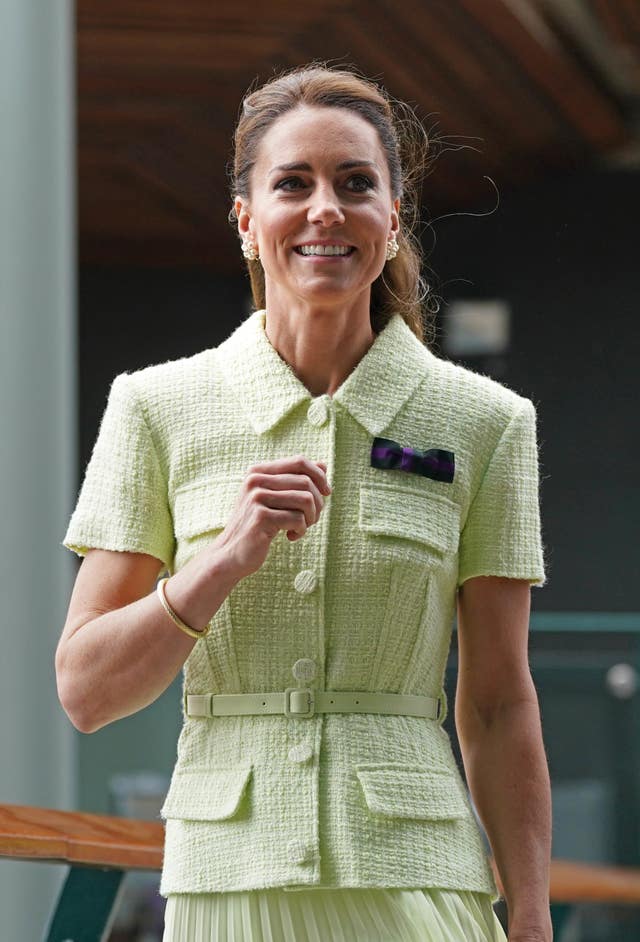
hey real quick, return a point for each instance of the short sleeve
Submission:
(502, 532)
(123, 503)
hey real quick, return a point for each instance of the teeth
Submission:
(324, 249)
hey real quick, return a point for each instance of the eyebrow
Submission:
(345, 165)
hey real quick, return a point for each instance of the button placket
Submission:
(302, 850)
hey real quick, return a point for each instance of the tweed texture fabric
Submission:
(364, 601)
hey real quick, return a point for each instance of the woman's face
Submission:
(320, 181)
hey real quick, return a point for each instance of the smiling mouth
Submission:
(324, 251)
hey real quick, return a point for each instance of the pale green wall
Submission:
(37, 426)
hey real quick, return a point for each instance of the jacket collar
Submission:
(267, 389)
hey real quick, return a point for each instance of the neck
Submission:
(321, 343)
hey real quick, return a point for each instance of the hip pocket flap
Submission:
(205, 794)
(411, 793)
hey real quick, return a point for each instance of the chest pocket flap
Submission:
(392, 510)
(204, 505)
(206, 794)
(411, 793)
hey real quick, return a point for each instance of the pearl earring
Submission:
(249, 249)
(392, 247)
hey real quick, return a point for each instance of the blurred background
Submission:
(116, 123)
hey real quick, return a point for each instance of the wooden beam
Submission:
(585, 106)
(76, 837)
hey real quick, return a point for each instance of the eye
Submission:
(360, 178)
(281, 184)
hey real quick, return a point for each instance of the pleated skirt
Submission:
(332, 915)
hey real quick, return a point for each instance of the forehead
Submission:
(320, 134)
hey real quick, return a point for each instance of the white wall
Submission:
(37, 426)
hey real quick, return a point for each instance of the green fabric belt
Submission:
(304, 702)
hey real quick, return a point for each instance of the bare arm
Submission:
(498, 724)
(119, 650)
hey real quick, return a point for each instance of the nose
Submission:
(325, 207)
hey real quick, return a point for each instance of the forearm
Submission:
(121, 661)
(507, 772)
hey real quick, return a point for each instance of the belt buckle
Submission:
(287, 701)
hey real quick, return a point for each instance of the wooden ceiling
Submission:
(534, 87)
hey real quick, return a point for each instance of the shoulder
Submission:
(160, 389)
(158, 375)
(474, 397)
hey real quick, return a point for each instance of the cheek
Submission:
(277, 223)
(376, 241)
(376, 223)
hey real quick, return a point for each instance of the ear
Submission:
(243, 215)
(395, 215)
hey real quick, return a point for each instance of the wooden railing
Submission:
(99, 849)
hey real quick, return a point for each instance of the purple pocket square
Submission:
(433, 463)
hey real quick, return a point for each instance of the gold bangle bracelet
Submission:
(175, 618)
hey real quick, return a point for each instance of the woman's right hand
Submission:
(285, 494)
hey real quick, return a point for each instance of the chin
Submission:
(328, 293)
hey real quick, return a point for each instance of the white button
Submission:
(299, 851)
(318, 412)
(300, 753)
(305, 581)
(304, 669)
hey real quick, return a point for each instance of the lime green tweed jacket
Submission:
(364, 601)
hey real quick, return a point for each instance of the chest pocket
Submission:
(409, 521)
(200, 512)
(203, 507)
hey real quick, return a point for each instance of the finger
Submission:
(297, 501)
(293, 522)
(325, 486)
(296, 464)
(281, 482)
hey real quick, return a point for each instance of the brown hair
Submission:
(400, 288)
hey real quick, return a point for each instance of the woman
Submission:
(328, 806)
